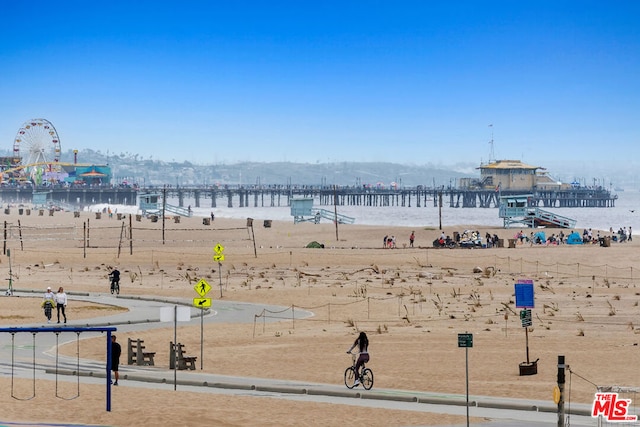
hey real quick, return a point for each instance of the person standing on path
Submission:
(61, 303)
(115, 358)
(412, 237)
(47, 303)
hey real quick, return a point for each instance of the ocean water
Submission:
(626, 213)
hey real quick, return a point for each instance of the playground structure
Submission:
(302, 210)
(516, 210)
(57, 331)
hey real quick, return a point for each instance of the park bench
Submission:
(176, 353)
(136, 354)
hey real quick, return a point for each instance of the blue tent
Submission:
(539, 237)
(574, 238)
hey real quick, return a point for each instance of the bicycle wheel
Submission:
(117, 288)
(367, 379)
(349, 377)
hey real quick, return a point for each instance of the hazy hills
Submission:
(147, 171)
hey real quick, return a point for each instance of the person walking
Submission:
(362, 342)
(116, 350)
(412, 237)
(48, 303)
(61, 303)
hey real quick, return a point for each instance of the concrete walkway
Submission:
(144, 313)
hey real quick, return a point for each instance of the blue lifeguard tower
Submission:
(515, 209)
(151, 204)
(302, 210)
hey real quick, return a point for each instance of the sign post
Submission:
(202, 288)
(218, 249)
(525, 300)
(466, 340)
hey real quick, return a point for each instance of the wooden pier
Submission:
(280, 196)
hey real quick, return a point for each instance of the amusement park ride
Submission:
(36, 158)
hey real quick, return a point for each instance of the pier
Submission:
(280, 196)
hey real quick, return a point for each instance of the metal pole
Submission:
(466, 355)
(220, 277)
(175, 346)
(108, 376)
(201, 336)
(561, 367)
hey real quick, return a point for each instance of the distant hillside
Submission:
(134, 169)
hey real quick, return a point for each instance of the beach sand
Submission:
(412, 302)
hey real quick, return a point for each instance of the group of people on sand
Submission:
(623, 235)
(58, 300)
(389, 242)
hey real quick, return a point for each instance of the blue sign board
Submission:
(524, 294)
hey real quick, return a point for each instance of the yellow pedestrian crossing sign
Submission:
(202, 287)
(218, 248)
(218, 257)
(202, 302)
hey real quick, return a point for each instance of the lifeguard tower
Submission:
(515, 209)
(302, 210)
(39, 199)
(151, 204)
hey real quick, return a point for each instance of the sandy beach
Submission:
(412, 302)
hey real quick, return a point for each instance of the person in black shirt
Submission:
(115, 358)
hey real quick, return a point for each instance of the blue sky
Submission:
(407, 81)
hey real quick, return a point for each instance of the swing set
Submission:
(57, 331)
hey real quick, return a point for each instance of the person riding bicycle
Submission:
(362, 342)
(115, 278)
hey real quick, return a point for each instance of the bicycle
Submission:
(115, 286)
(366, 377)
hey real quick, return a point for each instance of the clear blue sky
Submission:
(404, 81)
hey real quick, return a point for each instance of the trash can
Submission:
(528, 368)
(607, 241)
(154, 218)
(500, 243)
(267, 223)
(98, 215)
(206, 221)
(176, 219)
(76, 214)
(20, 211)
(512, 243)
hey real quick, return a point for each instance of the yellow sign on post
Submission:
(202, 287)
(202, 302)
(218, 248)
(218, 257)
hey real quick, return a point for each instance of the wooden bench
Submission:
(136, 354)
(176, 352)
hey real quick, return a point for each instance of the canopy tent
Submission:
(540, 237)
(574, 238)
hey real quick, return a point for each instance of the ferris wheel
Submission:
(37, 142)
